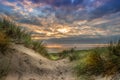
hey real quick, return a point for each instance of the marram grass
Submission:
(20, 36)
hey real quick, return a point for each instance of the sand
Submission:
(26, 64)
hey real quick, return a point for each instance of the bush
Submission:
(91, 64)
(110, 68)
(112, 63)
(4, 42)
(99, 61)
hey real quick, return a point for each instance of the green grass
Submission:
(90, 63)
(54, 56)
(39, 47)
(15, 32)
(10, 32)
(103, 61)
(20, 35)
(98, 61)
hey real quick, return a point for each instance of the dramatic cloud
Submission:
(66, 21)
(59, 3)
(111, 6)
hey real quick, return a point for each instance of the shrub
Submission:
(112, 63)
(104, 61)
(110, 68)
(90, 64)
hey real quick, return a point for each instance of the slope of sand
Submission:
(26, 64)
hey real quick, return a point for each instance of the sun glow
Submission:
(63, 30)
(54, 46)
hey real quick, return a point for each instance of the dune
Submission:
(26, 64)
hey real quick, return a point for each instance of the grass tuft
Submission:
(90, 64)
(99, 61)
(20, 35)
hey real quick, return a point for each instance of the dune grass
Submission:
(99, 61)
(39, 47)
(90, 63)
(112, 61)
(15, 32)
(10, 32)
(4, 42)
(54, 56)
(20, 35)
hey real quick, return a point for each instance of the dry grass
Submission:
(90, 64)
(20, 36)
(104, 62)
(4, 42)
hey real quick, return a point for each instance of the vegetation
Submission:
(112, 60)
(103, 61)
(39, 47)
(90, 64)
(66, 53)
(16, 33)
(54, 56)
(10, 32)
(99, 61)
(4, 42)
(9, 29)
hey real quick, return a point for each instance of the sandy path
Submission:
(26, 64)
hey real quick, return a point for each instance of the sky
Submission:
(63, 23)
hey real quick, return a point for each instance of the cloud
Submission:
(22, 7)
(67, 19)
(51, 27)
(10, 4)
(112, 6)
(59, 3)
